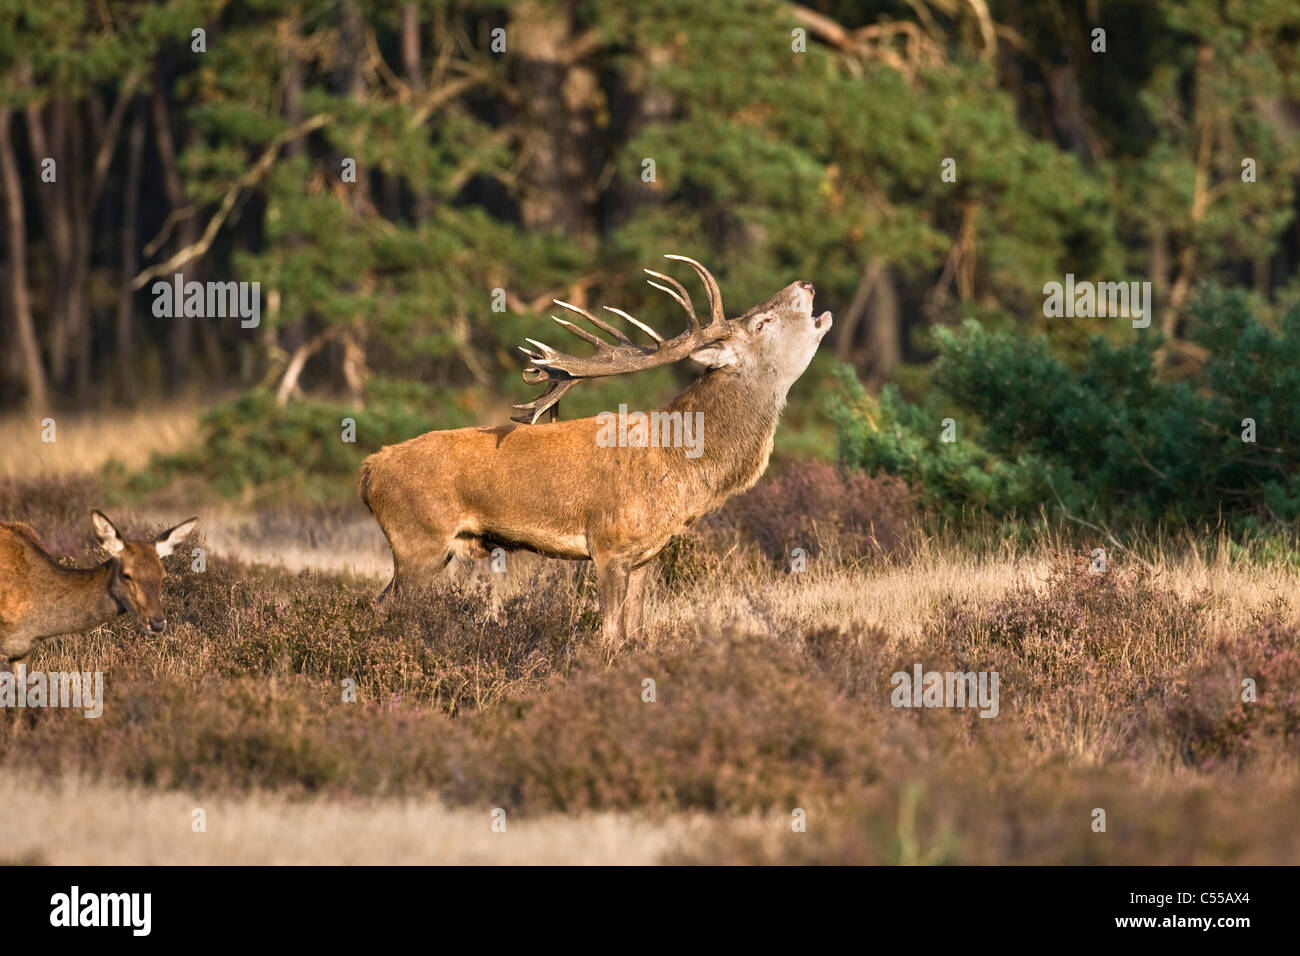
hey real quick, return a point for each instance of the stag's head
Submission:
(775, 339)
(136, 581)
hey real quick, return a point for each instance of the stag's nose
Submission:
(807, 285)
(157, 624)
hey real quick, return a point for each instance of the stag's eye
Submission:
(125, 576)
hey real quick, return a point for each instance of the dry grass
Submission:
(74, 822)
(903, 600)
(1120, 691)
(84, 442)
(343, 541)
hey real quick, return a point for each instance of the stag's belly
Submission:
(485, 539)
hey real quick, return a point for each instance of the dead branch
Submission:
(250, 178)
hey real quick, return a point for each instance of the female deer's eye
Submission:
(125, 576)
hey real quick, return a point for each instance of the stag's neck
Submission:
(78, 599)
(739, 421)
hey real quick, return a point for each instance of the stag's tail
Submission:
(363, 485)
(363, 492)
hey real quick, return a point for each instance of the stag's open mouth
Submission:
(822, 322)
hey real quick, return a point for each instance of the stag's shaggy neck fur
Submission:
(740, 418)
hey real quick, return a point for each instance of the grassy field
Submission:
(82, 443)
(1118, 691)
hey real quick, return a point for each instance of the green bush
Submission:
(1111, 439)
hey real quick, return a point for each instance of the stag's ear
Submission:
(168, 541)
(106, 534)
(718, 355)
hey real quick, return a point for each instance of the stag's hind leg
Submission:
(419, 556)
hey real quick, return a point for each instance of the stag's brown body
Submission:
(40, 598)
(555, 489)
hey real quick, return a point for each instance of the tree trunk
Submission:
(876, 300)
(647, 104)
(15, 222)
(292, 332)
(289, 382)
(352, 51)
(1159, 264)
(130, 254)
(180, 339)
(82, 220)
(83, 159)
(354, 367)
(1187, 256)
(884, 330)
(411, 47)
(57, 221)
(415, 80)
(559, 188)
(847, 326)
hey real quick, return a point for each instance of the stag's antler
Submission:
(561, 372)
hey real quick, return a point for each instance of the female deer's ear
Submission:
(715, 356)
(168, 541)
(106, 534)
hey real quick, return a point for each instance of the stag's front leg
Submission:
(612, 579)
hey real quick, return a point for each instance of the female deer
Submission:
(39, 598)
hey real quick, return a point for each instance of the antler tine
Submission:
(637, 322)
(580, 333)
(545, 352)
(598, 323)
(554, 390)
(560, 371)
(678, 292)
(716, 313)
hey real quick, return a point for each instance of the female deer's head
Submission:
(137, 576)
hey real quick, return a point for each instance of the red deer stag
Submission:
(40, 598)
(564, 489)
